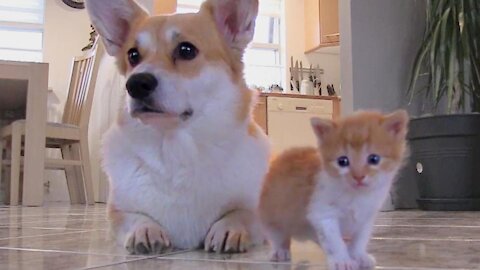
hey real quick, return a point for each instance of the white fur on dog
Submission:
(185, 178)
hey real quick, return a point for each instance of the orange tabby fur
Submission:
(297, 175)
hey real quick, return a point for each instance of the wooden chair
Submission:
(70, 136)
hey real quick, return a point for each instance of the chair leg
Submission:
(86, 170)
(71, 175)
(79, 186)
(15, 164)
(2, 147)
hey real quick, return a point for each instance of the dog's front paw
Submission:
(280, 255)
(342, 264)
(147, 238)
(365, 261)
(227, 237)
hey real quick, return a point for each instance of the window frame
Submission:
(277, 48)
(19, 26)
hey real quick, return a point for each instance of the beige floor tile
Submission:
(92, 242)
(302, 253)
(38, 260)
(72, 237)
(19, 232)
(427, 233)
(74, 222)
(174, 264)
(426, 254)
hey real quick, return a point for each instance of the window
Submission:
(21, 29)
(263, 61)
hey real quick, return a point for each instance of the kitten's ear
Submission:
(235, 20)
(322, 127)
(396, 123)
(113, 21)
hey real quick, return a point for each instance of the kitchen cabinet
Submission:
(260, 113)
(321, 24)
(286, 118)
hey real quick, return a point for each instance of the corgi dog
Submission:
(185, 159)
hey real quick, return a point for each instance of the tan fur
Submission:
(361, 129)
(203, 93)
(198, 31)
(288, 187)
(294, 177)
(115, 216)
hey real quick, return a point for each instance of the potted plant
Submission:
(445, 147)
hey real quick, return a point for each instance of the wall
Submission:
(378, 47)
(295, 45)
(346, 56)
(66, 32)
(385, 35)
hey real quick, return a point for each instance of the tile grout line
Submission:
(67, 252)
(167, 257)
(425, 239)
(420, 268)
(48, 234)
(429, 226)
(137, 259)
(239, 261)
(428, 218)
(45, 228)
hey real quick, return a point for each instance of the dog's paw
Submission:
(280, 255)
(365, 261)
(342, 264)
(227, 237)
(147, 238)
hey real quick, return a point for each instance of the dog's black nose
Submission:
(141, 85)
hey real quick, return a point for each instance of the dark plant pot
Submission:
(445, 159)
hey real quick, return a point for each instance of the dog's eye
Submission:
(185, 51)
(134, 57)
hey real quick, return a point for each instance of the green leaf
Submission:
(449, 54)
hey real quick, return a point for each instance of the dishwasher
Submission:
(289, 121)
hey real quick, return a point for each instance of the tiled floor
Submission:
(63, 237)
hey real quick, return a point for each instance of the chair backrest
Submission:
(81, 87)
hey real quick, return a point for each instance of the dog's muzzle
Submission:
(141, 85)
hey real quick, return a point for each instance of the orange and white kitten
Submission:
(332, 194)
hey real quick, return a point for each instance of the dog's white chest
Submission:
(184, 185)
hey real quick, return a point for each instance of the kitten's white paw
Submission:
(147, 238)
(342, 264)
(365, 261)
(280, 255)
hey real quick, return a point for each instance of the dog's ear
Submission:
(235, 20)
(113, 21)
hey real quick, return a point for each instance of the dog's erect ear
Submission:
(235, 20)
(113, 20)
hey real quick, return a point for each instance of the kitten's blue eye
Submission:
(343, 161)
(373, 159)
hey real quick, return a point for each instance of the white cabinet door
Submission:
(289, 121)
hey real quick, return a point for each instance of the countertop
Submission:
(263, 94)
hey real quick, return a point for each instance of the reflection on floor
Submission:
(75, 237)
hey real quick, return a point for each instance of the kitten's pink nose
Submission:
(359, 179)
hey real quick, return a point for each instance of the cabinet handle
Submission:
(333, 35)
(301, 108)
